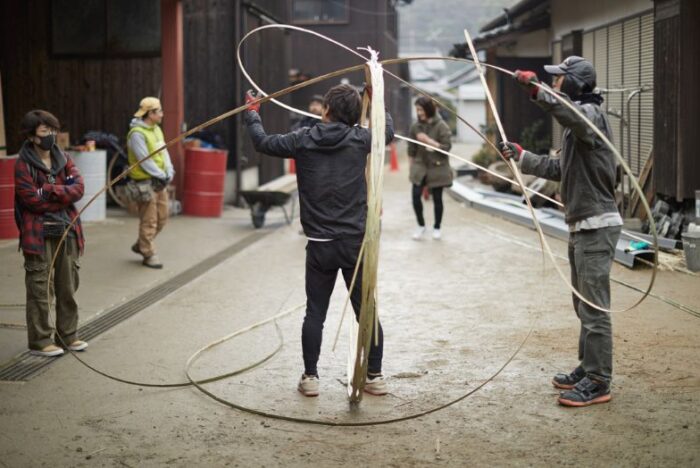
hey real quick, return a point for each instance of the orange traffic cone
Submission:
(393, 158)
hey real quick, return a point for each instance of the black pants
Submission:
(416, 192)
(323, 260)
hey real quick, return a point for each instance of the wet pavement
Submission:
(455, 311)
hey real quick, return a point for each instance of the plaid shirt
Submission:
(34, 196)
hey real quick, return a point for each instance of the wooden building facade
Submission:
(516, 41)
(677, 98)
(90, 84)
(90, 63)
(215, 85)
(354, 23)
(646, 53)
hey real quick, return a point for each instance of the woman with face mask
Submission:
(47, 184)
(429, 168)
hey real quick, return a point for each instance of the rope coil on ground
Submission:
(514, 170)
(271, 97)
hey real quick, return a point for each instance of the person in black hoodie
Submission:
(331, 159)
(315, 107)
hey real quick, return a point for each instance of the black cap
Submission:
(578, 68)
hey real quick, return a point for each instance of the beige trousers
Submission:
(153, 216)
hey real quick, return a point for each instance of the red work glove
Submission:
(251, 101)
(511, 150)
(527, 79)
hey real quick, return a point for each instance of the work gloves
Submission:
(511, 150)
(159, 184)
(527, 79)
(250, 100)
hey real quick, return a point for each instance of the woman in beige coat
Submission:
(429, 168)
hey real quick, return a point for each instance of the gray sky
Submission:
(437, 24)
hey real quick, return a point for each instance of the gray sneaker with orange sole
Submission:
(585, 393)
(569, 381)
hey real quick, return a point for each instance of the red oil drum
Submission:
(8, 228)
(205, 170)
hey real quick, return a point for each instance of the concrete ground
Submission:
(454, 312)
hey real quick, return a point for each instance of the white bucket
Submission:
(92, 165)
(691, 246)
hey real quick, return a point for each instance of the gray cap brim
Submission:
(554, 70)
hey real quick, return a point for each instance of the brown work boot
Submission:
(135, 249)
(153, 262)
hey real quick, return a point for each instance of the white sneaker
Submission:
(419, 233)
(376, 385)
(78, 345)
(436, 234)
(47, 351)
(308, 385)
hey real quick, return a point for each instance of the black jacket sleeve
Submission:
(389, 135)
(281, 146)
(388, 132)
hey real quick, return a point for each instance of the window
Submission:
(571, 44)
(320, 11)
(105, 28)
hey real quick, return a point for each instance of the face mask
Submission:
(46, 142)
(570, 87)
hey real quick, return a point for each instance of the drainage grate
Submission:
(26, 366)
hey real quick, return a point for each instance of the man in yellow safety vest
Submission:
(150, 178)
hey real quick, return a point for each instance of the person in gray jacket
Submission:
(429, 168)
(587, 170)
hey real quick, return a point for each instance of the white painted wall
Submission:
(471, 105)
(532, 44)
(569, 15)
(249, 181)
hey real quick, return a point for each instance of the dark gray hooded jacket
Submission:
(586, 167)
(330, 161)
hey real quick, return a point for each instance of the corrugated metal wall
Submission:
(645, 121)
(623, 55)
(556, 128)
